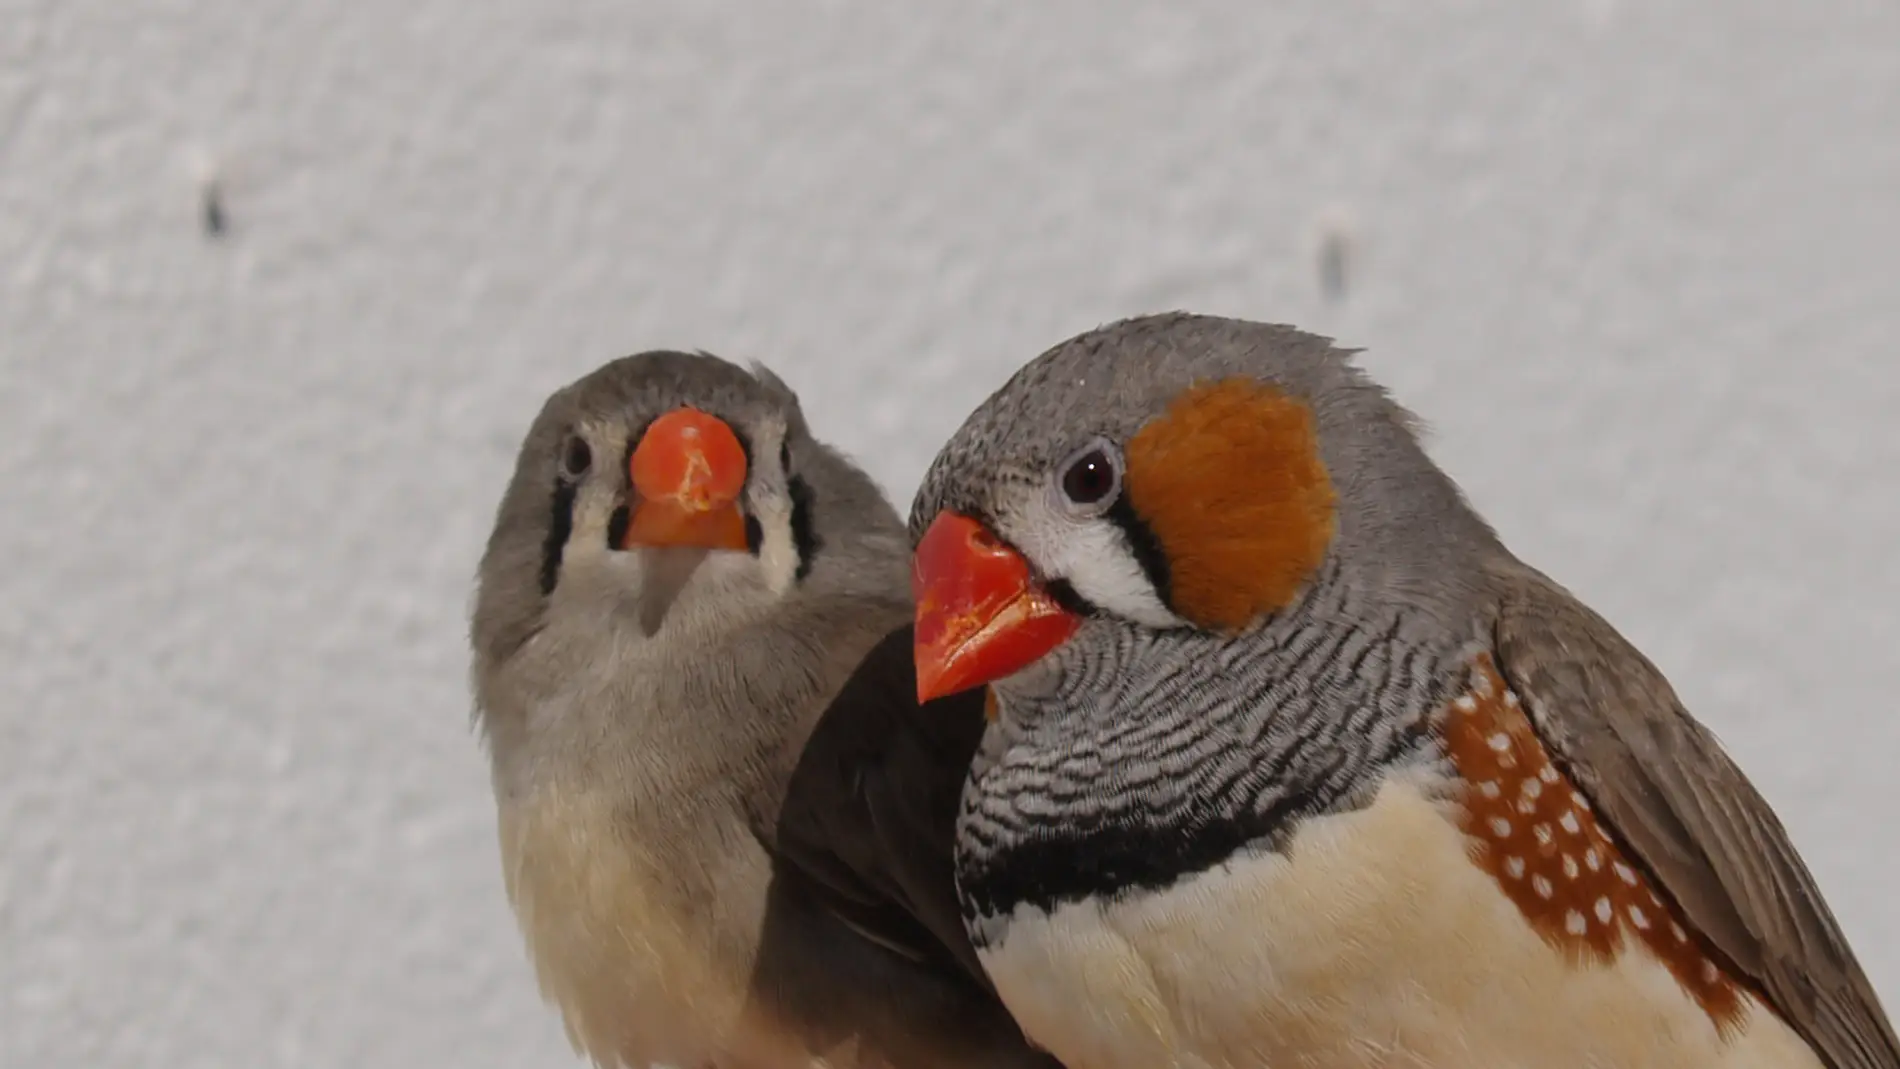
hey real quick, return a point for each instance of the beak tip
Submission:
(929, 679)
(979, 614)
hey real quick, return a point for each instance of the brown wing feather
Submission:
(864, 878)
(870, 813)
(1688, 814)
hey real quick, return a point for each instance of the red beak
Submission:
(687, 473)
(980, 616)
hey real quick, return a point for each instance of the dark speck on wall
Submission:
(216, 223)
(1335, 257)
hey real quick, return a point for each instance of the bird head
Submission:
(1174, 473)
(676, 483)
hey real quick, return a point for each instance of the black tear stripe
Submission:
(1145, 547)
(804, 535)
(560, 525)
(617, 527)
(1064, 594)
(754, 534)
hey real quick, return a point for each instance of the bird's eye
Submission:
(576, 458)
(1092, 477)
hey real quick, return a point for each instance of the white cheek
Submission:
(778, 554)
(1094, 557)
(770, 503)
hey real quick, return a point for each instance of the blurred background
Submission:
(282, 284)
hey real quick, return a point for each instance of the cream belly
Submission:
(640, 976)
(1374, 941)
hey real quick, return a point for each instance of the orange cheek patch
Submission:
(1535, 832)
(1230, 482)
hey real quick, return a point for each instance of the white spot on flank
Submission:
(1500, 827)
(1569, 821)
(1507, 759)
(1709, 973)
(1541, 886)
(1527, 806)
(1676, 930)
(1639, 918)
(1574, 923)
(1500, 742)
(1592, 859)
(1542, 831)
(1532, 788)
(1570, 867)
(1603, 910)
(1510, 699)
(1577, 799)
(1481, 683)
(1514, 867)
(1548, 773)
(1624, 873)
(1466, 704)
(1489, 788)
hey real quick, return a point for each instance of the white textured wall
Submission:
(1638, 263)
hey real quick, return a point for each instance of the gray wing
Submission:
(1688, 813)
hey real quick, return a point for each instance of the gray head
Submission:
(1190, 472)
(670, 492)
(1172, 546)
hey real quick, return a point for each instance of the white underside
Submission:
(1373, 942)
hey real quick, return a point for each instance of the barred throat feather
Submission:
(1149, 755)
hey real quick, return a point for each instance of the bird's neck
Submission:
(1147, 756)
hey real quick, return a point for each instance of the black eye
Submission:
(576, 458)
(1090, 478)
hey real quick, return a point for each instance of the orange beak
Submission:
(980, 616)
(687, 473)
